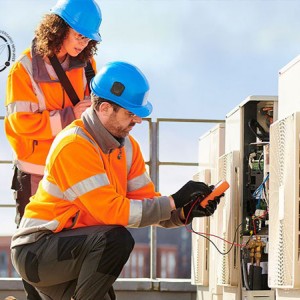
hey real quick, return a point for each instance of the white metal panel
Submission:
(284, 266)
(287, 294)
(234, 131)
(289, 88)
(256, 295)
(228, 221)
(200, 247)
(211, 147)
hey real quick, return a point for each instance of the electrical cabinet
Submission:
(284, 225)
(247, 135)
(260, 213)
(239, 229)
(204, 267)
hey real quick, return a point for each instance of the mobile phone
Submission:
(218, 190)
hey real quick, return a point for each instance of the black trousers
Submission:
(81, 263)
(24, 186)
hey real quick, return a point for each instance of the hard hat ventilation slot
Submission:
(117, 88)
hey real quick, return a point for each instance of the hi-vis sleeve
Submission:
(37, 109)
(26, 108)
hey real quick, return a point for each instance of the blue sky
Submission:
(202, 58)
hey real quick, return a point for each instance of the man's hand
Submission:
(193, 209)
(184, 195)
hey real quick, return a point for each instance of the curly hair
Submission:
(50, 34)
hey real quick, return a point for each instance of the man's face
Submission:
(119, 123)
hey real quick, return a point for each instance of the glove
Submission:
(184, 195)
(193, 210)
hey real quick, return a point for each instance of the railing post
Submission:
(154, 174)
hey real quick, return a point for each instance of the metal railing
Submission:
(154, 164)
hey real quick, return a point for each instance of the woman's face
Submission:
(73, 44)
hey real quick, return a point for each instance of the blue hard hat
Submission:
(84, 16)
(125, 85)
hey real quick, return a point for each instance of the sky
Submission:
(201, 58)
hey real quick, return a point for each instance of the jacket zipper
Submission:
(63, 92)
(34, 143)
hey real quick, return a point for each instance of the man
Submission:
(72, 240)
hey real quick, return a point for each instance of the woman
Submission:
(37, 104)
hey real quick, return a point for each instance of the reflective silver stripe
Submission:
(86, 186)
(65, 133)
(81, 187)
(77, 189)
(129, 153)
(52, 189)
(27, 106)
(38, 224)
(84, 80)
(29, 167)
(85, 136)
(21, 106)
(55, 117)
(138, 182)
(55, 122)
(135, 214)
(27, 64)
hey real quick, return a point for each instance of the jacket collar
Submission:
(106, 141)
(39, 70)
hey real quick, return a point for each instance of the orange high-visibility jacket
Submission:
(38, 108)
(90, 179)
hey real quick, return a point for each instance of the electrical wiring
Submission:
(205, 235)
(259, 161)
(260, 194)
(260, 191)
(257, 218)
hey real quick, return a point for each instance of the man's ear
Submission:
(105, 108)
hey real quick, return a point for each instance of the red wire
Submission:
(198, 200)
(216, 236)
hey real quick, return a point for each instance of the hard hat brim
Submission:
(142, 111)
(85, 21)
(96, 37)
